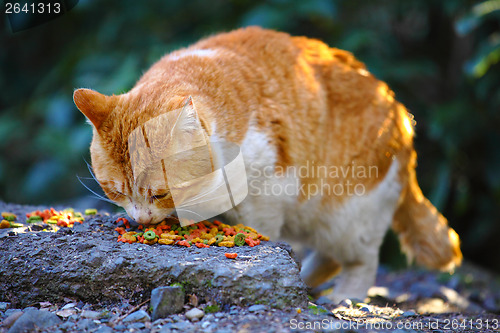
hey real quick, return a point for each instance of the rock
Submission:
(66, 312)
(69, 306)
(137, 326)
(182, 325)
(346, 303)
(11, 319)
(34, 318)
(257, 307)
(120, 327)
(140, 315)
(166, 301)
(409, 313)
(11, 311)
(194, 313)
(103, 270)
(104, 329)
(4, 306)
(67, 326)
(90, 314)
(87, 324)
(365, 309)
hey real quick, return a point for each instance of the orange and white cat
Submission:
(328, 150)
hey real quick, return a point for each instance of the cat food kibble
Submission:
(202, 234)
(64, 218)
(231, 255)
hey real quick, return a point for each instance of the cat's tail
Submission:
(423, 232)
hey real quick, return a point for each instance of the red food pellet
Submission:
(184, 243)
(231, 255)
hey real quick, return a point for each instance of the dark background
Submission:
(440, 57)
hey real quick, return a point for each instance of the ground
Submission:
(40, 272)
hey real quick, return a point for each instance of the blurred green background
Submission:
(440, 57)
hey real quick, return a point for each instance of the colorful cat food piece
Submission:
(231, 255)
(9, 216)
(90, 211)
(202, 234)
(4, 224)
(64, 218)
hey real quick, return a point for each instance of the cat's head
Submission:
(133, 139)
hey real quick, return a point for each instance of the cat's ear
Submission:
(95, 106)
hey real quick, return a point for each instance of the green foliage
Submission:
(440, 57)
(211, 308)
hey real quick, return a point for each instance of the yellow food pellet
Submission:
(226, 244)
(7, 214)
(165, 241)
(170, 236)
(129, 236)
(204, 235)
(4, 224)
(151, 241)
(211, 241)
(197, 240)
(214, 231)
(264, 238)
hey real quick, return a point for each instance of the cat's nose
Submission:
(143, 219)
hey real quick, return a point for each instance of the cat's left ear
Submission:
(95, 106)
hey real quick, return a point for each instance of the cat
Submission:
(328, 150)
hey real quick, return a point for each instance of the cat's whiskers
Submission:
(97, 196)
(189, 211)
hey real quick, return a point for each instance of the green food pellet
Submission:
(9, 218)
(205, 241)
(34, 218)
(90, 211)
(16, 225)
(149, 235)
(239, 239)
(218, 239)
(51, 221)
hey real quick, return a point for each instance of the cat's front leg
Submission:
(355, 279)
(318, 268)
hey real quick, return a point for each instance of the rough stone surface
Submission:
(32, 319)
(194, 313)
(140, 315)
(166, 301)
(87, 263)
(257, 307)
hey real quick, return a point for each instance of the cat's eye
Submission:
(159, 196)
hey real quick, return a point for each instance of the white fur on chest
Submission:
(344, 230)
